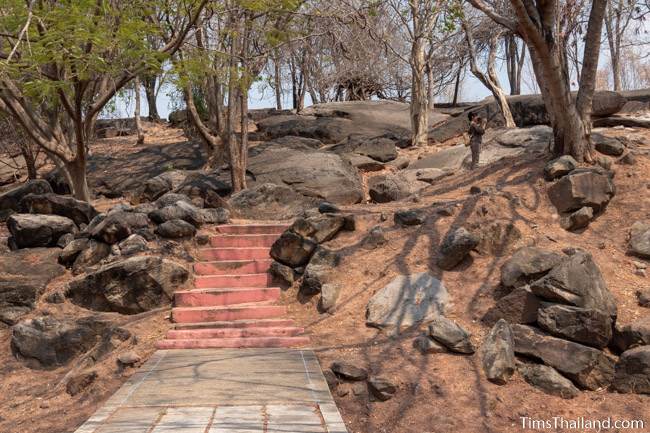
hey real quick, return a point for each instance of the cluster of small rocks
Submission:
(300, 256)
(345, 377)
(559, 317)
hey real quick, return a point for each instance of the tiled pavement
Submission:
(269, 390)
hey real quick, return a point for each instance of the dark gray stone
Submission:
(171, 198)
(409, 217)
(607, 145)
(176, 229)
(633, 371)
(348, 371)
(178, 211)
(78, 383)
(455, 247)
(548, 380)
(9, 201)
(519, 306)
(78, 211)
(577, 220)
(30, 230)
(284, 273)
(451, 335)
(382, 389)
(640, 239)
(589, 368)
(132, 245)
(270, 201)
(69, 254)
(426, 345)
(632, 335)
(498, 355)
(559, 167)
(577, 281)
(215, 215)
(527, 264)
(94, 253)
(329, 294)
(584, 187)
(590, 327)
(128, 286)
(118, 226)
(321, 228)
(292, 249)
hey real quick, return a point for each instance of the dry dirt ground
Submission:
(436, 393)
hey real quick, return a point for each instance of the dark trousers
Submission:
(476, 153)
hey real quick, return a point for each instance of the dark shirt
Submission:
(476, 132)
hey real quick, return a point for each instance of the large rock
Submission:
(292, 249)
(640, 239)
(269, 201)
(450, 159)
(9, 200)
(577, 220)
(559, 167)
(548, 380)
(325, 129)
(176, 229)
(498, 355)
(314, 174)
(46, 342)
(379, 148)
(633, 371)
(129, 286)
(348, 371)
(406, 301)
(590, 327)
(496, 237)
(577, 281)
(165, 182)
(94, 252)
(178, 211)
(527, 264)
(525, 137)
(320, 228)
(118, 226)
(393, 187)
(451, 335)
(70, 252)
(582, 187)
(632, 335)
(518, 306)
(24, 274)
(31, 230)
(589, 368)
(289, 142)
(171, 198)
(78, 211)
(455, 247)
(607, 145)
(208, 188)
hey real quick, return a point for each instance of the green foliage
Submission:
(77, 41)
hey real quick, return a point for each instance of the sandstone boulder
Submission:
(548, 380)
(128, 286)
(582, 187)
(9, 201)
(498, 355)
(31, 230)
(582, 325)
(633, 371)
(271, 202)
(559, 167)
(78, 211)
(455, 247)
(451, 335)
(639, 244)
(118, 226)
(527, 264)
(406, 301)
(292, 249)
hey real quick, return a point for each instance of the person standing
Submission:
(476, 131)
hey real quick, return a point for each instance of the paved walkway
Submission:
(222, 391)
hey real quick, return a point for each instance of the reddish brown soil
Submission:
(438, 393)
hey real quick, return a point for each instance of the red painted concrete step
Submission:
(216, 343)
(225, 313)
(259, 323)
(223, 281)
(233, 267)
(228, 254)
(231, 296)
(242, 241)
(200, 334)
(249, 229)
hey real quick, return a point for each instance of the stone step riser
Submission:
(225, 297)
(243, 241)
(233, 267)
(220, 314)
(200, 334)
(220, 343)
(229, 254)
(261, 323)
(269, 229)
(227, 281)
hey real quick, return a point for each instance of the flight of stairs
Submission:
(232, 304)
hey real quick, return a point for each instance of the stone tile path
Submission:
(265, 390)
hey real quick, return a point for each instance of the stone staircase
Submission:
(232, 304)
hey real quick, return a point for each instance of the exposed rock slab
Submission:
(407, 301)
(582, 325)
(31, 230)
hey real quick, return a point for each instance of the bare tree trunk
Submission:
(457, 86)
(30, 161)
(136, 114)
(419, 102)
(212, 144)
(430, 95)
(150, 92)
(75, 172)
(278, 80)
(514, 62)
(491, 79)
